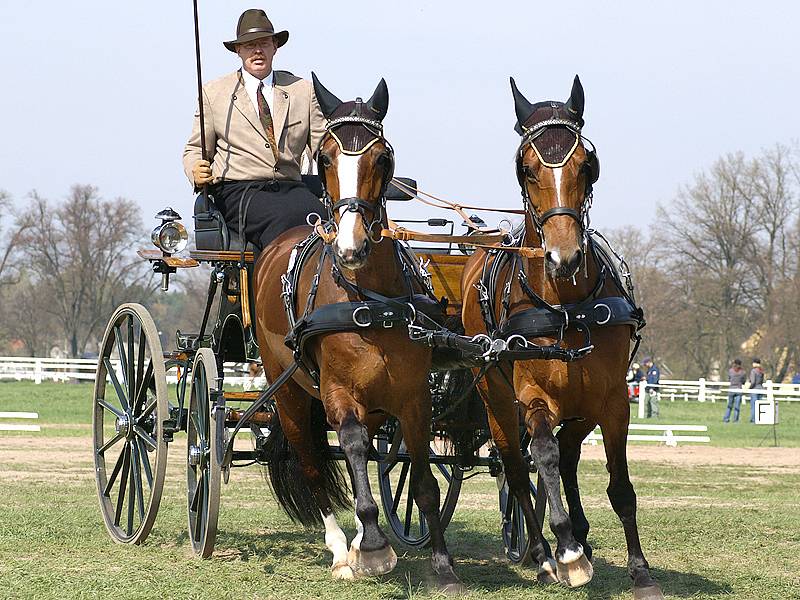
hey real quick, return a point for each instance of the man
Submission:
(756, 382)
(651, 395)
(258, 124)
(736, 378)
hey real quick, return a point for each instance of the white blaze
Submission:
(557, 172)
(347, 171)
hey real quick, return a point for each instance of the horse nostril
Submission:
(575, 261)
(552, 257)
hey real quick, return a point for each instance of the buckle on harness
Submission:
(362, 322)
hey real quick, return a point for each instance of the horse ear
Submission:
(576, 100)
(523, 108)
(378, 103)
(327, 101)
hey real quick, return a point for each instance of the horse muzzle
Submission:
(563, 267)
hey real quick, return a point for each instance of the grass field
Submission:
(719, 522)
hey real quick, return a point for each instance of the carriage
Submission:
(137, 413)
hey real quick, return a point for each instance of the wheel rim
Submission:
(405, 519)
(203, 471)
(130, 405)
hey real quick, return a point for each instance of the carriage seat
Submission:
(212, 233)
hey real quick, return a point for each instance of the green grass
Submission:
(709, 532)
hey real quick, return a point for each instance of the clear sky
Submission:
(103, 92)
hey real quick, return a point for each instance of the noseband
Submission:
(591, 166)
(352, 147)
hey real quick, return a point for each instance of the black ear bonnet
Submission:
(553, 131)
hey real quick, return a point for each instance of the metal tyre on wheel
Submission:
(205, 432)
(130, 407)
(405, 519)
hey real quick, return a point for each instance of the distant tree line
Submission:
(719, 272)
(66, 265)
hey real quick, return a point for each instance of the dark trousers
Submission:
(267, 208)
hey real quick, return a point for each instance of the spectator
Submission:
(651, 395)
(635, 375)
(756, 382)
(736, 378)
(796, 378)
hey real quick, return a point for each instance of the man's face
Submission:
(257, 56)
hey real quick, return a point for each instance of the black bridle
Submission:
(355, 204)
(590, 166)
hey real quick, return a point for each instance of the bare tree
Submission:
(9, 272)
(81, 251)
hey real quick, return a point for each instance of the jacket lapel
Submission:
(280, 103)
(242, 102)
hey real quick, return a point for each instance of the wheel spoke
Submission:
(110, 443)
(108, 407)
(145, 460)
(409, 510)
(401, 482)
(148, 410)
(141, 391)
(122, 483)
(137, 478)
(195, 420)
(123, 398)
(114, 473)
(123, 358)
(148, 439)
(200, 517)
(197, 491)
(448, 475)
(140, 362)
(131, 364)
(131, 494)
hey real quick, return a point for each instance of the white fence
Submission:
(18, 426)
(711, 391)
(84, 369)
(665, 434)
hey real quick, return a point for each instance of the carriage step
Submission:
(191, 341)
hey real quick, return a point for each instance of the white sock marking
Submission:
(356, 543)
(335, 539)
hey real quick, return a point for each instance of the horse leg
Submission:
(503, 418)
(295, 425)
(370, 553)
(623, 500)
(573, 568)
(570, 438)
(425, 488)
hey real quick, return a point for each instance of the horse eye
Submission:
(325, 160)
(529, 174)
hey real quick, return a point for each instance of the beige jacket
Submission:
(236, 143)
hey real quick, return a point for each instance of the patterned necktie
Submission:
(266, 119)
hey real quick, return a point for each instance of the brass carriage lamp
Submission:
(170, 236)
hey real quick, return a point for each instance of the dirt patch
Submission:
(787, 459)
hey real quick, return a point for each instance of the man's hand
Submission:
(201, 172)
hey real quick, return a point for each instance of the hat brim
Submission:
(281, 37)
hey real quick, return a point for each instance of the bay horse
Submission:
(361, 376)
(571, 275)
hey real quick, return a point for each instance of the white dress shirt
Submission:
(251, 85)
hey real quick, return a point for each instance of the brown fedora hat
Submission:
(253, 25)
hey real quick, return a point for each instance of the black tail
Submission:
(287, 480)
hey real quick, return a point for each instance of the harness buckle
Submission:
(362, 322)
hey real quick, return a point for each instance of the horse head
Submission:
(355, 164)
(556, 171)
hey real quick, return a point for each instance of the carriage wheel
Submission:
(130, 452)
(405, 519)
(205, 433)
(515, 534)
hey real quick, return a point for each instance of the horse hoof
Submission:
(342, 571)
(547, 572)
(575, 571)
(651, 592)
(376, 562)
